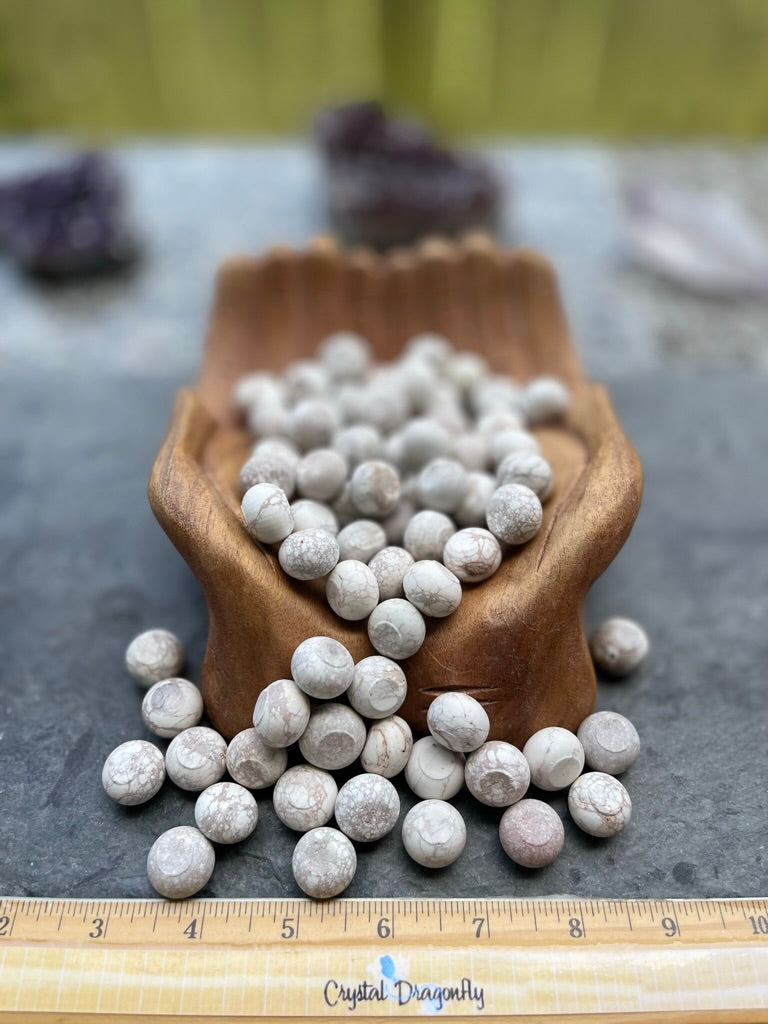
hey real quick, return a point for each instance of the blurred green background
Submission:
(473, 67)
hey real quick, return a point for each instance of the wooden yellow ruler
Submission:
(542, 960)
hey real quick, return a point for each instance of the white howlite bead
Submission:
(281, 446)
(471, 450)
(545, 399)
(429, 346)
(471, 509)
(529, 469)
(312, 423)
(351, 590)
(281, 713)
(432, 588)
(391, 450)
(383, 406)
(434, 771)
(396, 629)
(313, 515)
(494, 393)
(268, 417)
(154, 655)
(465, 370)
(270, 466)
(505, 442)
(252, 763)
(306, 378)
(321, 474)
(491, 423)
(513, 514)
(417, 377)
(395, 524)
(324, 863)
(309, 554)
(171, 706)
(361, 540)
(196, 758)
(322, 667)
(133, 772)
(426, 535)
(387, 747)
(344, 508)
(345, 355)
(180, 862)
(610, 741)
(378, 687)
(472, 555)
(449, 414)
(389, 566)
(424, 439)
(367, 808)
(442, 485)
(555, 758)
(497, 774)
(599, 804)
(618, 646)
(375, 488)
(226, 813)
(253, 387)
(303, 797)
(458, 721)
(267, 513)
(358, 443)
(434, 833)
(333, 738)
(531, 833)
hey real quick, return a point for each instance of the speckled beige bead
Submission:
(387, 747)
(458, 721)
(133, 772)
(324, 863)
(180, 862)
(529, 469)
(304, 797)
(432, 588)
(514, 514)
(434, 833)
(471, 510)
(472, 554)
(308, 554)
(396, 629)
(252, 763)
(375, 488)
(352, 590)
(313, 515)
(171, 706)
(281, 713)
(322, 667)
(426, 534)
(555, 758)
(367, 808)
(361, 539)
(312, 423)
(334, 737)
(389, 566)
(196, 758)
(270, 465)
(226, 813)
(266, 513)
(531, 833)
(610, 741)
(378, 687)
(618, 646)
(497, 774)
(321, 474)
(433, 771)
(599, 804)
(154, 655)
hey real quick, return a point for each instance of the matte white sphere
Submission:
(324, 863)
(472, 554)
(545, 399)
(555, 758)
(375, 488)
(430, 347)
(345, 355)
(180, 862)
(424, 439)
(434, 771)
(226, 813)
(305, 378)
(334, 737)
(610, 741)
(252, 763)
(367, 808)
(599, 804)
(389, 566)
(358, 443)
(434, 833)
(171, 706)
(458, 721)
(361, 539)
(281, 713)
(497, 774)
(321, 474)
(378, 687)
(267, 513)
(426, 534)
(312, 423)
(313, 515)
(387, 747)
(154, 655)
(618, 646)
(396, 629)
(271, 465)
(303, 797)
(352, 590)
(308, 554)
(471, 450)
(529, 469)
(531, 833)
(432, 588)
(514, 514)
(322, 667)
(196, 758)
(442, 485)
(471, 510)
(505, 442)
(133, 772)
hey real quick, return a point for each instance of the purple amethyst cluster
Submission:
(388, 183)
(67, 220)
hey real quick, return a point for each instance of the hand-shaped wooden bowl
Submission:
(517, 641)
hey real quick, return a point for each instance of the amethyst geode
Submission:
(389, 184)
(67, 220)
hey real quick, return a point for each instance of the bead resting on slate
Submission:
(252, 763)
(281, 713)
(555, 758)
(458, 721)
(531, 833)
(196, 758)
(497, 774)
(387, 747)
(434, 833)
(226, 813)
(322, 667)
(433, 771)
(324, 863)
(599, 804)
(304, 797)
(171, 706)
(610, 742)
(367, 808)
(133, 773)
(154, 655)
(180, 862)
(618, 646)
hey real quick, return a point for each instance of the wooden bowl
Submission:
(517, 641)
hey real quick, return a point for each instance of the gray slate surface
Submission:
(84, 401)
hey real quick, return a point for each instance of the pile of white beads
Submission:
(397, 483)
(336, 711)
